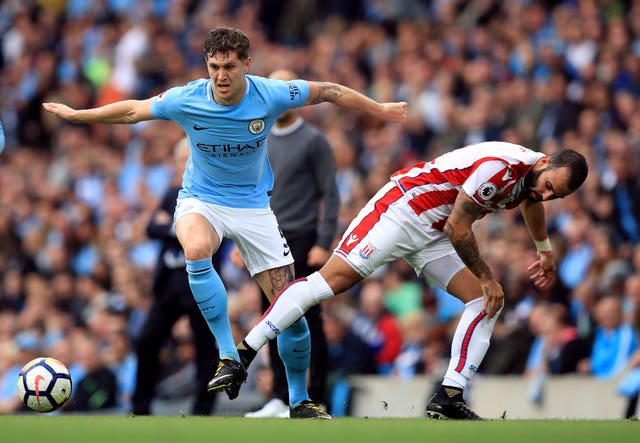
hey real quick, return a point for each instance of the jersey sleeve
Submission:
(486, 180)
(289, 94)
(167, 105)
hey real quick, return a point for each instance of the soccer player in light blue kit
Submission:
(226, 186)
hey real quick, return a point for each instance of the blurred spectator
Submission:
(573, 267)
(614, 341)
(352, 343)
(179, 376)
(629, 386)
(631, 300)
(546, 356)
(96, 389)
(371, 306)
(409, 361)
(121, 359)
(402, 292)
(10, 365)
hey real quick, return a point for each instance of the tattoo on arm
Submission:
(328, 92)
(279, 278)
(466, 247)
(463, 240)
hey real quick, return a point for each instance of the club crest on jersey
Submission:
(367, 250)
(256, 126)
(487, 190)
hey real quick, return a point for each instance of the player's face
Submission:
(547, 184)
(227, 74)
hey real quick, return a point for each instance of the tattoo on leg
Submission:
(279, 278)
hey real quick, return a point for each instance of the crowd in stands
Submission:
(75, 262)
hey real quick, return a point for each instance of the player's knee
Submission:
(198, 250)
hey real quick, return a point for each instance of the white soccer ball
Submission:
(44, 384)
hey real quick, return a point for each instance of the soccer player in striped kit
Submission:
(424, 214)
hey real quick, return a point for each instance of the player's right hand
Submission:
(62, 111)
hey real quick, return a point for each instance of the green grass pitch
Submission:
(120, 429)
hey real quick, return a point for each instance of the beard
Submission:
(530, 180)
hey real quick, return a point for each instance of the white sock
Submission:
(288, 307)
(470, 344)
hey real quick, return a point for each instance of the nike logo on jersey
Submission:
(199, 128)
(352, 239)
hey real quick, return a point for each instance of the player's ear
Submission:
(544, 161)
(247, 63)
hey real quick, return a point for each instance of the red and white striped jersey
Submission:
(491, 173)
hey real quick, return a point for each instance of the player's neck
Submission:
(230, 101)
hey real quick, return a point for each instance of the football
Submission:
(44, 384)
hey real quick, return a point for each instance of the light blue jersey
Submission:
(228, 163)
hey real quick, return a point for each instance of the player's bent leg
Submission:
(287, 308)
(293, 302)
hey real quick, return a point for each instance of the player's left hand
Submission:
(62, 111)
(543, 271)
(394, 112)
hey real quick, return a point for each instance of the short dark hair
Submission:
(225, 40)
(574, 162)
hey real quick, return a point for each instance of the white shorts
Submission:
(254, 231)
(387, 229)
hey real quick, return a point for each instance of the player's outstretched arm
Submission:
(125, 112)
(393, 112)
